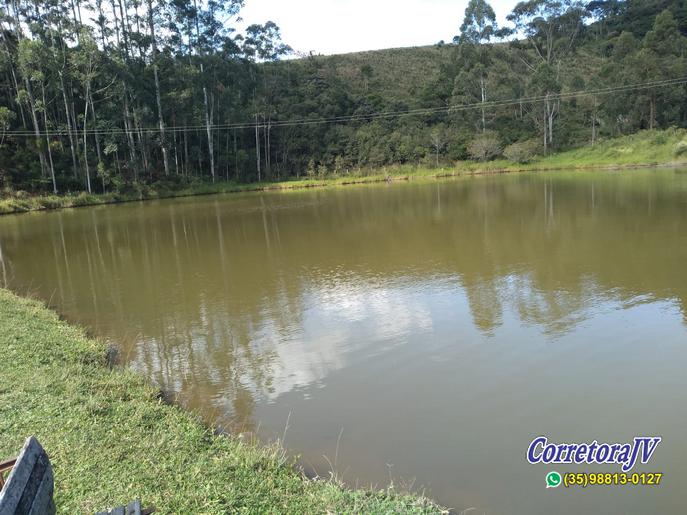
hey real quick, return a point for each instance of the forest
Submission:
(105, 95)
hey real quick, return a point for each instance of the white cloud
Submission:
(340, 26)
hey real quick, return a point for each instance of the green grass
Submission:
(645, 148)
(111, 439)
(20, 202)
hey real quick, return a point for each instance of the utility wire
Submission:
(368, 117)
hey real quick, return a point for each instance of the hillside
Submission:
(397, 73)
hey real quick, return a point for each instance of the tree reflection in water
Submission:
(231, 301)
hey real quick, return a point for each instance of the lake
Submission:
(418, 333)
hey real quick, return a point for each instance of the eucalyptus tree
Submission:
(8, 60)
(618, 112)
(25, 94)
(263, 43)
(60, 36)
(6, 118)
(86, 70)
(662, 57)
(158, 101)
(209, 33)
(437, 139)
(31, 56)
(478, 28)
(551, 29)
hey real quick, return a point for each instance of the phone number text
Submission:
(584, 479)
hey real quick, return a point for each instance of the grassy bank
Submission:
(21, 202)
(646, 148)
(111, 439)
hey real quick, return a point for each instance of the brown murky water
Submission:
(428, 330)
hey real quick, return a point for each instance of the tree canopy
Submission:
(103, 95)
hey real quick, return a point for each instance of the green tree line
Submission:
(101, 95)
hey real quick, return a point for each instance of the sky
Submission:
(341, 26)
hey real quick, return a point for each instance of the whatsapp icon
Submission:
(553, 480)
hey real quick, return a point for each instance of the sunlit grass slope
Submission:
(645, 148)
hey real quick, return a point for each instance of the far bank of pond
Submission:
(644, 149)
(111, 439)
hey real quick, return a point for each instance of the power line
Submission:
(367, 117)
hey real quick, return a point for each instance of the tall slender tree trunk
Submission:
(546, 132)
(176, 151)
(116, 20)
(269, 142)
(594, 115)
(236, 158)
(257, 145)
(76, 24)
(16, 87)
(227, 159)
(268, 172)
(128, 122)
(13, 75)
(555, 107)
(101, 14)
(185, 152)
(129, 130)
(85, 142)
(205, 96)
(47, 140)
(75, 164)
(98, 152)
(483, 89)
(32, 103)
(36, 126)
(160, 119)
(78, 11)
(207, 126)
(141, 142)
(125, 28)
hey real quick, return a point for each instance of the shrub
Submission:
(17, 205)
(311, 168)
(660, 138)
(6, 207)
(50, 202)
(681, 148)
(340, 165)
(522, 152)
(110, 197)
(84, 199)
(485, 147)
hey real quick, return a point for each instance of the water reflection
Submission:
(234, 304)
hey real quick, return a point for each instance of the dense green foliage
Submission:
(645, 148)
(105, 96)
(110, 438)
